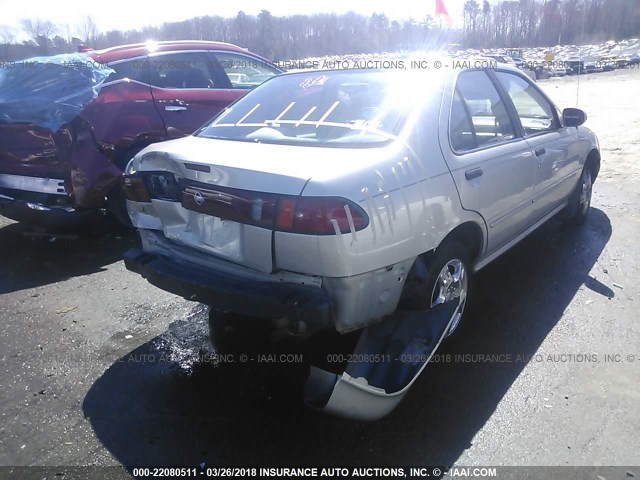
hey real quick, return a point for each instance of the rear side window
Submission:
(244, 71)
(462, 134)
(535, 112)
(478, 115)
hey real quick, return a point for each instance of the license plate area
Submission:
(218, 233)
(210, 234)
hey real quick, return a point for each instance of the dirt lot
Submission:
(99, 368)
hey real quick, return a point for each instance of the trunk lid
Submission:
(208, 172)
(262, 167)
(214, 172)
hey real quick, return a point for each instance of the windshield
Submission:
(318, 109)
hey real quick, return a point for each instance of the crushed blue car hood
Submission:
(49, 91)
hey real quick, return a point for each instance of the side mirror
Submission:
(573, 117)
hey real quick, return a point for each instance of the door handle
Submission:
(471, 174)
(540, 152)
(174, 108)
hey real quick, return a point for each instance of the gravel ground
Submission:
(97, 367)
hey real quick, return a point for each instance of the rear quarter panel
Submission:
(408, 194)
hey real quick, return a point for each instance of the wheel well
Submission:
(126, 153)
(594, 159)
(470, 235)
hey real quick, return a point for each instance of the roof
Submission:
(123, 52)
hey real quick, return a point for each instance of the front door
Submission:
(189, 88)
(556, 164)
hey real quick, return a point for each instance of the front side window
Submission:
(535, 112)
(181, 70)
(318, 109)
(244, 71)
(478, 116)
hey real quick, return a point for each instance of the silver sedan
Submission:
(344, 201)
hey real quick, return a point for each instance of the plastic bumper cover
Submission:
(307, 308)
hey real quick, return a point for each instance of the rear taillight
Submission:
(286, 213)
(163, 186)
(135, 188)
(143, 186)
(320, 215)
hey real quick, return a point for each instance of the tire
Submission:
(116, 199)
(117, 206)
(579, 205)
(433, 275)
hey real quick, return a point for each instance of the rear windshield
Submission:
(317, 109)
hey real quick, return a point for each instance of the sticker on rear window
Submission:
(314, 81)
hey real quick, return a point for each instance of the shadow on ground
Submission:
(152, 411)
(30, 258)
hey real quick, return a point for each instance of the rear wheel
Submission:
(445, 279)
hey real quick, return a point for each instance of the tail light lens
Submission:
(163, 186)
(135, 188)
(142, 187)
(320, 215)
(286, 213)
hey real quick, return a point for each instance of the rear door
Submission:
(492, 165)
(556, 163)
(124, 113)
(189, 88)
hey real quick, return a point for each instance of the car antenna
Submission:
(581, 64)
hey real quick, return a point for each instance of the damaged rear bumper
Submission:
(388, 359)
(35, 213)
(307, 308)
(349, 397)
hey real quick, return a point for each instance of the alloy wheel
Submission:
(451, 286)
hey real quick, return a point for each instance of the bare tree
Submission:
(7, 35)
(40, 31)
(88, 31)
(37, 28)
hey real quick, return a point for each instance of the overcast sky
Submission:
(132, 14)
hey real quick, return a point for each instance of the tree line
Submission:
(538, 23)
(277, 38)
(506, 23)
